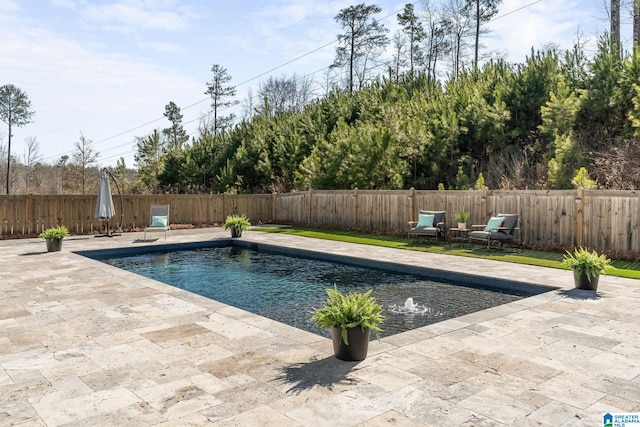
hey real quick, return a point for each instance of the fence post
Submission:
(274, 199)
(30, 212)
(224, 207)
(310, 206)
(354, 196)
(411, 204)
(484, 204)
(580, 216)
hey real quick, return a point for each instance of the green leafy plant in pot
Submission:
(462, 216)
(587, 267)
(54, 236)
(351, 318)
(237, 224)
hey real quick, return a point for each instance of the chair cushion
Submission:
(480, 235)
(494, 223)
(425, 220)
(426, 231)
(509, 221)
(493, 235)
(438, 216)
(158, 221)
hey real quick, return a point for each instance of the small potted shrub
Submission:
(587, 267)
(237, 224)
(54, 236)
(462, 216)
(351, 318)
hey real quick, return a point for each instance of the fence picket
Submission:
(603, 220)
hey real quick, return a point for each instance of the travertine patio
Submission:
(85, 344)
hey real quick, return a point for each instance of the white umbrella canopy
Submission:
(104, 206)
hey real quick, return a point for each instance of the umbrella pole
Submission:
(107, 233)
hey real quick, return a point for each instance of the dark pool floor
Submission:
(287, 289)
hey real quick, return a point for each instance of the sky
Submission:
(106, 69)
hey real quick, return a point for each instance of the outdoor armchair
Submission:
(429, 224)
(501, 228)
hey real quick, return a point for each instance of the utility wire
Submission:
(128, 143)
(94, 143)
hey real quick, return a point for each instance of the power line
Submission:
(515, 10)
(94, 143)
(128, 143)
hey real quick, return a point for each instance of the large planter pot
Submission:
(54, 244)
(235, 233)
(583, 282)
(358, 343)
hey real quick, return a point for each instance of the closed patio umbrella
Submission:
(104, 206)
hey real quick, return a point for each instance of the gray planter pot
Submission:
(54, 244)
(235, 233)
(583, 282)
(358, 343)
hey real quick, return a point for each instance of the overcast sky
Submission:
(107, 68)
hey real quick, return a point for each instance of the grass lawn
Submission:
(543, 259)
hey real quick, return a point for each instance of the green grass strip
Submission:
(625, 269)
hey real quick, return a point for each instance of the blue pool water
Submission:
(286, 289)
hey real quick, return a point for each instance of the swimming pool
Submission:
(287, 288)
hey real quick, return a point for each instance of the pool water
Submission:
(287, 289)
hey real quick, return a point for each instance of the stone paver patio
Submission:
(86, 344)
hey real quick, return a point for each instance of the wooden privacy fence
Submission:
(603, 220)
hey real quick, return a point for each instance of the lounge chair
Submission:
(159, 220)
(501, 228)
(430, 224)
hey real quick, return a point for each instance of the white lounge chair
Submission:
(159, 220)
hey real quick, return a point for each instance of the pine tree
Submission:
(15, 110)
(175, 135)
(220, 93)
(414, 30)
(357, 45)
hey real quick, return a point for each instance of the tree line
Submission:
(557, 120)
(429, 117)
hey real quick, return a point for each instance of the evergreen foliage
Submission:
(529, 125)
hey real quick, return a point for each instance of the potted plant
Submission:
(587, 267)
(351, 318)
(54, 236)
(461, 217)
(237, 224)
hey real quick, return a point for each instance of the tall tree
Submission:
(362, 36)
(399, 60)
(437, 42)
(459, 27)
(220, 92)
(414, 30)
(279, 94)
(62, 165)
(176, 135)
(615, 26)
(148, 157)
(483, 11)
(84, 156)
(636, 25)
(15, 110)
(120, 174)
(31, 157)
